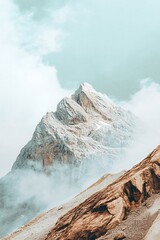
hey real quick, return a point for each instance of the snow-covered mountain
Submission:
(69, 150)
(85, 125)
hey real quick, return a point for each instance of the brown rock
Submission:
(156, 169)
(138, 182)
(120, 236)
(117, 209)
(132, 189)
(155, 157)
(102, 212)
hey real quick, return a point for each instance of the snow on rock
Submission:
(70, 149)
(84, 125)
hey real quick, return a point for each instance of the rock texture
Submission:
(137, 223)
(85, 125)
(133, 197)
(107, 208)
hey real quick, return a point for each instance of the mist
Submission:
(28, 87)
(25, 193)
(145, 104)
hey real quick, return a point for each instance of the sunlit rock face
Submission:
(101, 215)
(110, 209)
(85, 125)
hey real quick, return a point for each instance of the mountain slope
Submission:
(39, 227)
(110, 211)
(108, 207)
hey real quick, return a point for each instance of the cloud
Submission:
(111, 44)
(62, 15)
(28, 87)
(145, 104)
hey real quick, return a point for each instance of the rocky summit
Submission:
(87, 124)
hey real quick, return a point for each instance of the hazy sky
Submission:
(112, 44)
(48, 47)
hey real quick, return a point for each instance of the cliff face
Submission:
(113, 208)
(107, 208)
(85, 125)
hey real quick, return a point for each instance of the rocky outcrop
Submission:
(85, 125)
(137, 223)
(107, 208)
(106, 213)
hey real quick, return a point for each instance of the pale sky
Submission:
(112, 44)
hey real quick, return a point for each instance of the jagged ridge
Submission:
(108, 207)
(86, 124)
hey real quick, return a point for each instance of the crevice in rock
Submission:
(100, 209)
(155, 181)
(132, 192)
(63, 227)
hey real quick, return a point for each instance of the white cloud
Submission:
(28, 88)
(145, 104)
(62, 14)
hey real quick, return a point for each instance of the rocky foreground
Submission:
(124, 207)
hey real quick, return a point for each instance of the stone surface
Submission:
(117, 209)
(138, 221)
(85, 125)
(154, 231)
(120, 236)
(106, 202)
(97, 216)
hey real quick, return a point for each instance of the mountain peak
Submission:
(70, 112)
(85, 124)
(92, 101)
(86, 87)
